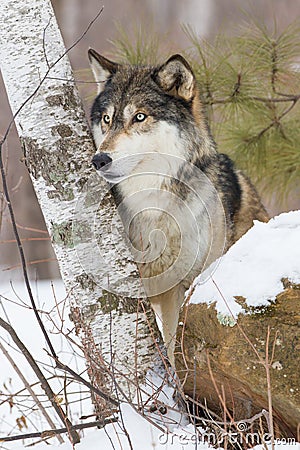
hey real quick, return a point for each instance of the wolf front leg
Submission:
(167, 307)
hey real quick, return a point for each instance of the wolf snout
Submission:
(101, 161)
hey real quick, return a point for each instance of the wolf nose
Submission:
(100, 160)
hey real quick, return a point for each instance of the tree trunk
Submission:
(100, 278)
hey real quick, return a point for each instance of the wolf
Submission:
(182, 202)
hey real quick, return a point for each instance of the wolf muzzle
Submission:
(101, 161)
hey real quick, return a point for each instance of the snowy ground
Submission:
(146, 437)
(15, 308)
(275, 245)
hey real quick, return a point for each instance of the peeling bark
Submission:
(85, 229)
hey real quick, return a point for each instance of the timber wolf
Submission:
(182, 203)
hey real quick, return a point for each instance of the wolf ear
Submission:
(176, 77)
(102, 68)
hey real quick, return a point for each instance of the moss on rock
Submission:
(235, 368)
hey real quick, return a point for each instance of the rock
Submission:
(226, 365)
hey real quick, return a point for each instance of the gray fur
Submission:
(167, 175)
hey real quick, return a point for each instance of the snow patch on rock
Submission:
(253, 267)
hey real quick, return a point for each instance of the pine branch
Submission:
(248, 85)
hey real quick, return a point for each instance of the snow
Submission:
(16, 309)
(253, 267)
(142, 435)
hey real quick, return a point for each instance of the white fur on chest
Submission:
(170, 238)
(171, 224)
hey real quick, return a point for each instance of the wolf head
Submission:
(141, 111)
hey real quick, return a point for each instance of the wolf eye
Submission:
(139, 117)
(106, 119)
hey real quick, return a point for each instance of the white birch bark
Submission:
(58, 150)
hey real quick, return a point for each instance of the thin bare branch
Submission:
(51, 433)
(44, 383)
(29, 389)
(269, 390)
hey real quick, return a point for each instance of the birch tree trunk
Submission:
(100, 277)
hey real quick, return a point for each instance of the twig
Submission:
(224, 416)
(44, 41)
(29, 389)
(264, 413)
(266, 363)
(20, 247)
(207, 410)
(194, 397)
(288, 98)
(77, 377)
(268, 376)
(13, 241)
(225, 409)
(2, 198)
(50, 433)
(45, 77)
(138, 392)
(74, 81)
(237, 323)
(182, 335)
(37, 230)
(30, 263)
(44, 383)
(276, 120)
